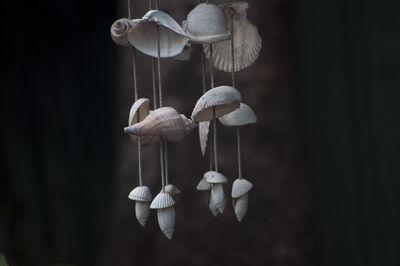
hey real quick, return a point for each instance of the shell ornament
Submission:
(143, 197)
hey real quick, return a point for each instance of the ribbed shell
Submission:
(162, 200)
(143, 36)
(206, 23)
(240, 187)
(203, 185)
(242, 116)
(141, 193)
(247, 41)
(215, 177)
(225, 99)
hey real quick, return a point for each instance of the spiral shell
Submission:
(240, 187)
(215, 177)
(166, 221)
(242, 116)
(241, 205)
(142, 211)
(247, 41)
(119, 30)
(141, 193)
(161, 201)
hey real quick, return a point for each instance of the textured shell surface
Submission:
(203, 185)
(143, 36)
(172, 190)
(204, 128)
(189, 124)
(240, 187)
(166, 221)
(241, 205)
(142, 211)
(224, 99)
(214, 177)
(242, 116)
(162, 200)
(206, 23)
(165, 122)
(247, 41)
(141, 193)
(119, 30)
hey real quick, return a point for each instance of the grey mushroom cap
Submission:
(214, 177)
(242, 116)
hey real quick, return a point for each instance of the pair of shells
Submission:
(214, 181)
(164, 204)
(142, 197)
(240, 197)
(163, 122)
(155, 29)
(246, 40)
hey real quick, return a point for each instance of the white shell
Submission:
(240, 117)
(142, 211)
(206, 23)
(214, 177)
(186, 53)
(119, 30)
(203, 185)
(166, 221)
(165, 122)
(247, 41)
(213, 208)
(241, 205)
(143, 35)
(204, 128)
(240, 187)
(141, 193)
(218, 197)
(171, 189)
(161, 201)
(224, 99)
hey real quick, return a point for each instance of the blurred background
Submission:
(323, 156)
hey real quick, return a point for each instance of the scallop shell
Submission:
(165, 122)
(161, 201)
(241, 205)
(166, 221)
(143, 35)
(203, 185)
(204, 128)
(215, 177)
(206, 23)
(119, 30)
(224, 99)
(218, 197)
(247, 41)
(139, 111)
(242, 116)
(240, 187)
(141, 193)
(142, 211)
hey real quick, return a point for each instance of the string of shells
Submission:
(230, 42)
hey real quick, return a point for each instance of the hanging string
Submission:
(166, 162)
(211, 60)
(203, 73)
(238, 151)
(153, 71)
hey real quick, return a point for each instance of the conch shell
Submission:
(119, 30)
(242, 116)
(247, 41)
(165, 122)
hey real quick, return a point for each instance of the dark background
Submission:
(323, 156)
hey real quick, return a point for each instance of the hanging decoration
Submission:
(230, 43)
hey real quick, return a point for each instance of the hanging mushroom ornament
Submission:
(164, 204)
(143, 197)
(217, 199)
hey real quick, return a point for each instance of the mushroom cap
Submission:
(206, 23)
(203, 185)
(215, 177)
(240, 187)
(162, 200)
(225, 99)
(242, 116)
(141, 193)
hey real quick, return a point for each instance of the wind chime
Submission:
(230, 43)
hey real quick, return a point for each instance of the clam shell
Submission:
(241, 205)
(166, 221)
(214, 177)
(247, 41)
(244, 115)
(119, 30)
(164, 122)
(161, 201)
(206, 23)
(225, 99)
(141, 193)
(240, 187)
(204, 128)
(203, 185)
(218, 197)
(143, 36)
(142, 211)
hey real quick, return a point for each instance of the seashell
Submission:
(204, 128)
(142, 211)
(172, 190)
(247, 41)
(139, 111)
(119, 30)
(186, 53)
(224, 99)
(206, 23)
(203, 185)
(161, 201)
(240, 117)
(240, 187)
(143, 35)
(215, 177)
(213, 208)
(241, 205)
(166, 221)
(164, 122)
(141, 193)
(218, 197)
